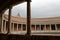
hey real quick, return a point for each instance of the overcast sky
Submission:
(39, 9)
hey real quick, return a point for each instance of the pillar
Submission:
(1, 21)
(55, 27)
(50, 27)
(9, 20)
(28, 17)
(35, 27)
(45, 27)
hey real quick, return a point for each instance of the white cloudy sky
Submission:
(39, 9)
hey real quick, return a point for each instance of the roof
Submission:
(21, 19)
(4, 4)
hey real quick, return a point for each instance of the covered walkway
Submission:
(8, 4)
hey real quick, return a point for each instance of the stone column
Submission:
(1, 21)
(35, 27)
(50, 27)
(55, 27)
(28, 17)
(5, 27)
(45, 27)
(9, 20)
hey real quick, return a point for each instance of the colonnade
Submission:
(8, 26)
(45, 27)
(15, 27)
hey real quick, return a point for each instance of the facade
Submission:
(38, 26)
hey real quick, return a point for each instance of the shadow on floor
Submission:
(22, 37)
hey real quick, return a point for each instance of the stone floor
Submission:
(23, 37)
